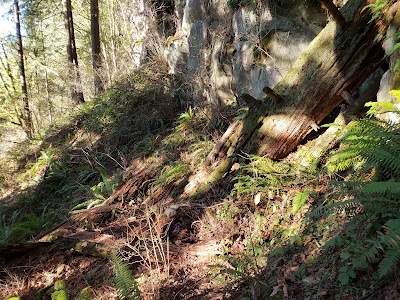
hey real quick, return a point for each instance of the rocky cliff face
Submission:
(391, 79)
(224, 52)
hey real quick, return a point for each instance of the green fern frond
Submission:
(171, 173)
(387, 246)
(344, 160)
(381, 108)
(389, 262)
(369, 142)
(391, 189)
(186, 120)
(262, 174)
(124, 280)
(376, 8)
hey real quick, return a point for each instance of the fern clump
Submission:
(267, 176)
(124, 280)
(372, 146)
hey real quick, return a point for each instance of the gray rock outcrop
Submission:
(225, 52)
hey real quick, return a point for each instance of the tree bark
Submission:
(25, 98)
(337, 61)
(96, 50)
(73, 66)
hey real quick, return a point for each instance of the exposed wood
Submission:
(311, 153)
(273, 95)
(337, 60)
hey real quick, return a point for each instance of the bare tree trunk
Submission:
(46, 77)
(27, 112)
(336, 62)
(5, 83)
(7, 67)
(96, 50)
(75, 77)
(113, 34)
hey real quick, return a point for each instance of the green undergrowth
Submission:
(328, 233)
(79, 164)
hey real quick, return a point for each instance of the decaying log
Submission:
(85, 242)
(312, 151)
(337, 60)
(17, 250)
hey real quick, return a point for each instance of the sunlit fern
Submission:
(264, 175)
(370, 143)
(186, 120)
(124, 280)
(171, 174)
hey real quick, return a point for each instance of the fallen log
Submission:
(338, 60)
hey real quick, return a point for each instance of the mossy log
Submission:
(336, 62)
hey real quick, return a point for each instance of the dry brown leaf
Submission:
(288, 272)
(235, 166)
(285, 290)
(275, 290)
(311, 280)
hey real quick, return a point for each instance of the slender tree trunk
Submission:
(7, 67)
(335, 63)
(96, 50)
(12, 93)
(46, 77)
(111, 10)
(75, 78)
(5, 84)
(27, 112)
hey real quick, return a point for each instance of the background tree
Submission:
(96, 50)
(75, 84)
(28, 123)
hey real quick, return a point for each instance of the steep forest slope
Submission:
(100, 205)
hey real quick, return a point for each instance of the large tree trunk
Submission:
(96, 56)
(73, 66)
(336, 62)
(27, 116)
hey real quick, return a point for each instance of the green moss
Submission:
(219, 172)
(59, 285)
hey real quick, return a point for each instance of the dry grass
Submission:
(148, 246)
